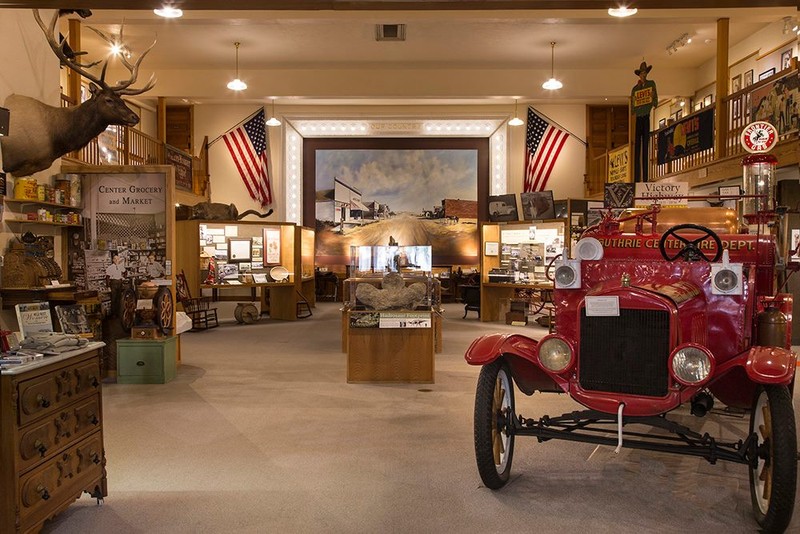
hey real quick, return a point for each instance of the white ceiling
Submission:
(201, 43)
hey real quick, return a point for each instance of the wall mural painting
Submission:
(413, 196)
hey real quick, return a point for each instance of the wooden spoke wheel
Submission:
(773, 470)
(162, 303)
(493, 428)
(127, 308)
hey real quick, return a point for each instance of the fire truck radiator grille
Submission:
(625, 354)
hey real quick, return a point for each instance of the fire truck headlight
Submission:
(555, 354)
(726, 280)
(568, 275)
(691, 365)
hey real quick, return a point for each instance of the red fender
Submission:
(771, 365)
(520, 352)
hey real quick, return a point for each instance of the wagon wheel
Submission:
(773, 469)
(494, 414)
(162, 303)
(127, 311)
(691, 247)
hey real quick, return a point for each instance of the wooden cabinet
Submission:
(146, 361)
(51, 437)
(271, 245)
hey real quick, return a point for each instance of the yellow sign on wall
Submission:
(618, 165)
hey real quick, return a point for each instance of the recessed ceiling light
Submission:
(622, 11)
(169, 12)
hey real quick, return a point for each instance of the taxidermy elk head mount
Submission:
(39, 134)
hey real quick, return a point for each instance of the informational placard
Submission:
(666, 194)
(183, 166)
(618, 165)
(405, 320)
(602, 306)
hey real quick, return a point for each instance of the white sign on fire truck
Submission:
(666, 194)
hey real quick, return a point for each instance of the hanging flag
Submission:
(249, 148)
(543, 144)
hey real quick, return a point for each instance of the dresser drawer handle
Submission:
(42, 401)
(39, 446)
(43, 492)
(140, 363)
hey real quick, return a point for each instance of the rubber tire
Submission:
(494, 476)
(775, 514)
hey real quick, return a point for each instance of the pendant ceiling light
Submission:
(236, 84)
(516, 121)
(622, 11)
(552, 84)
(168, 12)
(273, 120)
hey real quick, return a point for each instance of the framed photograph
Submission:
(736, 83)
(662, 123)
(748, 78)
(537, 205)
(503, 208)
(707, 101)
(679, 115)
(766, 74)
(786, 59)
(239, 249)
(491, 248)
(698, 106)
(272, 239)
(737, 108)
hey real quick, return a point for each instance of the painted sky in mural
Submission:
(408, 181)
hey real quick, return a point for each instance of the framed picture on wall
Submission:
(662, 123)
(766, 74)
(707, 101)
(503, 208)
(737, 108)
(786, 59)
(537, 205)
(736, 83)
(748, 78)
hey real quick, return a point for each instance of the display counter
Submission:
(493, 296)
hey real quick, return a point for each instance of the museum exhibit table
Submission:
(51, 437)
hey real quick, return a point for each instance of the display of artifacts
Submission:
(786, 59)
(239, 249)
(503, 208)
(748, 78)
(537, 205)
(776, 103)
(34, 317)
(736, 83)
(766, 74)
(618, 195)
(231, 230)
(260, 278)
(272, 245)
(366, 188)
(491, 248)
(73, 320)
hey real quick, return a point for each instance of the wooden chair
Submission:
(303, 307)
(198, 309)
(471, 297)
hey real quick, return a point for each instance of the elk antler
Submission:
(121, 88)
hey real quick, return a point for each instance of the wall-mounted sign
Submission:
(183, 166)
(664, 193)
(687, 136)
(618, 165)
(759, 137)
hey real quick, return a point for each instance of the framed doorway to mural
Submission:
(412, 191)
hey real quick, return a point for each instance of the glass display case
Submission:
(525, 250)
(372, 260)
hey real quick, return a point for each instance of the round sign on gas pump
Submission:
(759, 137)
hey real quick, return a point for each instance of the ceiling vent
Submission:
(390, 32)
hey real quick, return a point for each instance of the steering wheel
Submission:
(691, 249)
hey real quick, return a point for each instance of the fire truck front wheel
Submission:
(773, 473)
(493, 428)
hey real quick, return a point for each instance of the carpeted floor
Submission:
(260, 432)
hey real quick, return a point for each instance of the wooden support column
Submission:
(161, 119)
(73, 78)
(721, 90)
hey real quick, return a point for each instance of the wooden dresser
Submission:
(51, 437)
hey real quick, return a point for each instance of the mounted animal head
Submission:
(39, 134)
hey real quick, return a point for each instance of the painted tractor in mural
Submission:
(659, 314)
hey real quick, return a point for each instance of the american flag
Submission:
(248, 146)
(543, 144)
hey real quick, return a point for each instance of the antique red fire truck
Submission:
(651, 313)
